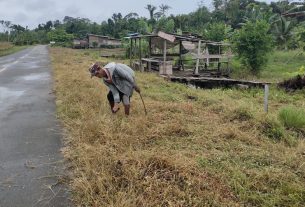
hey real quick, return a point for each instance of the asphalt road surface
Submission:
(31, 165)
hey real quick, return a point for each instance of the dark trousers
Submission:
(111, 99)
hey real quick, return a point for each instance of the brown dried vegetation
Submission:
(208, 151)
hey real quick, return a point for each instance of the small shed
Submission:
(165, 48)
(80, 44)
(102, 41)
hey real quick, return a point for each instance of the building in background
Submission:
(80, 44)
(102, 41)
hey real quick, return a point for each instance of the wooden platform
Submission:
(210, 82)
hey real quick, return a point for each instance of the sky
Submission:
(33, 12)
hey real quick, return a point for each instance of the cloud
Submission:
(21, 17)
(39, 6)
(33, 12)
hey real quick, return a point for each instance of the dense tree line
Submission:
(282, 20)
(282, 16)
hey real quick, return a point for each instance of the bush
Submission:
(292, 117)
(253, 43)
(217, 32)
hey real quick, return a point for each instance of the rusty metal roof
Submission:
(176, 37)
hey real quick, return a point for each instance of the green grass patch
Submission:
(272, 129)
(281, 65)
(11, 50)
(292, 117)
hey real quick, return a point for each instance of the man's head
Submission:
(96, 70)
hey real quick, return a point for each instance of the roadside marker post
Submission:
(266, 98)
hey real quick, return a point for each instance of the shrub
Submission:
(292, 117)
(217, 32)
(253, 43)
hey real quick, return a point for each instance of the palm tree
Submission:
(164, 8)
(151, 9)
(158, 15)
(283, 30)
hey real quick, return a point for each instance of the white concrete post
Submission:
(198, 54)
(164, 57)
(266, 98)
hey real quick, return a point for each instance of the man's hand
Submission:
(137, 89)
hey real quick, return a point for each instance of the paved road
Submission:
(31, 165)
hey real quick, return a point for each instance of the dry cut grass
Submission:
(5, 45)
(7, 48)
(195, 147)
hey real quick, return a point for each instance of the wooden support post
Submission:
(136, 54)
(149, 55)
(180, 55)
(197, 62)
(218, 60)
(140, 55)
(135, 47)
(164, 55)
(149, 50)
(130, 52)
(266, 98)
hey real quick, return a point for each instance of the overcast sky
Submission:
(33, 12)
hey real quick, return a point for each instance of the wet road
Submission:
(31, 165)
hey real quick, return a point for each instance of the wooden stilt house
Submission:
(167, 53)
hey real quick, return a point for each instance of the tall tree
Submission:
(164, 8)
(48, 26)
(6, 27)
(218, 4)
(151, 9)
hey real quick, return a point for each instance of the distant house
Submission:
(78, 44)
(102, 41)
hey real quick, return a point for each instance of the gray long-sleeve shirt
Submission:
(123, 80)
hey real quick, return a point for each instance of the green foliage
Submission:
(215, 25)
(299, 72)
(165, 24)
(299, 36)
(144, 48)
(27, 38)
(199, 18)
(59, 36)
(253, 43)
(292, 117)
(217, 32)
(142, 27)
(282, 31)
(283, 64)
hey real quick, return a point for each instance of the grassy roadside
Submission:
(281, 65)
(8, 48)
(195, 148)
